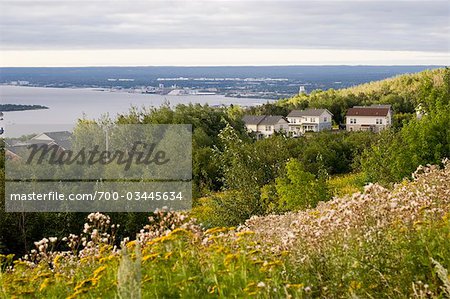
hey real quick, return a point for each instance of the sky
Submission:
(213, 32)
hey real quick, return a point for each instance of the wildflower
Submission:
(261, 284)
(99, 271)
(86, 284)
(44, 284)
(245, 233)
(150, 257)
(295, 285)
(213, 289)
(230, 258)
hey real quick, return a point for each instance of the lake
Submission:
(66, 105)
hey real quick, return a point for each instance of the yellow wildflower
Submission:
(44, 284)
(99, 271)
(213, 289)
(230, 258)
(150, 257)
(131, 244)
(355, 285)
(168, 255)
(218, 230)
(245, 233)
(57, 259)
(295, 285)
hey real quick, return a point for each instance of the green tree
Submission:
(300, 189)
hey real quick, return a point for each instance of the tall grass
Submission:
(378, 244)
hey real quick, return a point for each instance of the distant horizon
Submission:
(218, 57)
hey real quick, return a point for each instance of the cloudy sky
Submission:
(73, 32)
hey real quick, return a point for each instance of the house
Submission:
(369, 118)
(309, 120)
(17, 149)
(62, 138)
(265, 125)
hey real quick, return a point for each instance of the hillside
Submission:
(406, 93)
(408, 205)
(378, 243)
(295, 237)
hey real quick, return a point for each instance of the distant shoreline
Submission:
(20, 107)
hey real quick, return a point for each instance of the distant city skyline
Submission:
(214, 32)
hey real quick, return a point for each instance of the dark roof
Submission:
(271, 120)
(12, 141)
(18, 149)
(367, 111)
(307, 112)
(253, 119)
(262, 119)
(61, 138)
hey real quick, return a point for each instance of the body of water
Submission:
(67, 105)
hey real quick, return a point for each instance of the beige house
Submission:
(265, 125)
(369, 118)
(309, 120)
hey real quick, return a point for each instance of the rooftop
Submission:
(368, 111)
(262, 119)
(308, 112)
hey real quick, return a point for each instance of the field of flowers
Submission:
(376, 244)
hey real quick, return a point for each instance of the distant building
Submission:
(309, 120)
(302, 89)
(15, 148)
(420, 111)
(265, 125)
(373, 118)
(62, 138)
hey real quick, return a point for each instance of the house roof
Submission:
(61, 138)
(368, 111)
(262, 119)
(11, 141)
(17, 149)
(308, 112)
(253, 119)
(271, 120)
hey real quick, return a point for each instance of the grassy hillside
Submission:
(404, 92)
(375, 244)
(381, 243)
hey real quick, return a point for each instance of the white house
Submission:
(369, 118)
(265, 125)
(309, 120)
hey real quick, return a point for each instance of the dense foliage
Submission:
(375, 244)
(236, 177)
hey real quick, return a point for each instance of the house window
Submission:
(268, 128)
(353, 120)
(379, 121)
(294, 120)
(313, 119)
(325, 119)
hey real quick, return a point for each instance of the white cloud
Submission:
(368, 25)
